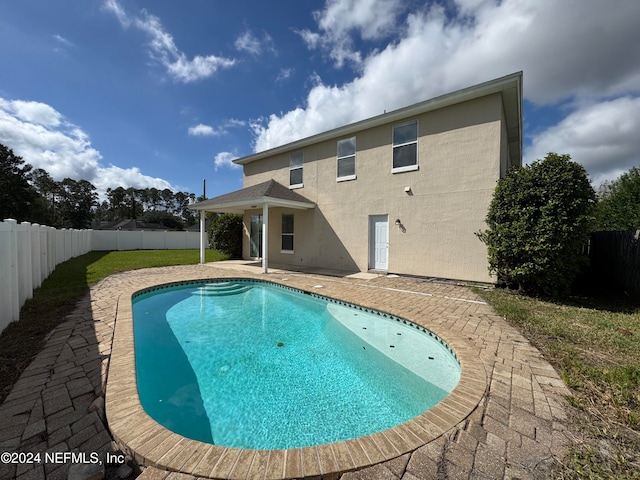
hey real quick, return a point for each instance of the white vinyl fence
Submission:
(144, 240)
(30, 252)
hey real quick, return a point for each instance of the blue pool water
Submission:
(254, 365)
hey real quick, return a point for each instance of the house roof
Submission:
(128, 224)
(270, 192)
(509, 86)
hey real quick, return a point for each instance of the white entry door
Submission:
(378, 242)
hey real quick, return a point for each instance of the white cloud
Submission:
(234, 122)
(164, 50)
(43, 138)
(113, 177)
(572, 52)
(202, 130)
(601, 136)
(63, 44)
(225, 160)
(249, 43)
(114, 7)
(284, 74)
(341, 19)
(371, 18)
(36, 113)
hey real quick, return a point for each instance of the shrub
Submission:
(539, 220)
(618, 207)
(225, 234)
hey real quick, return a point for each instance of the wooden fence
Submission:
(615, 259)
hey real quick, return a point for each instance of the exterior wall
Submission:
(461, 155)
(504, 148)
(304, 234)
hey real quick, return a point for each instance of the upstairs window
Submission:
(287, 233)
(295, 170)
(405, 147)
(346, 169)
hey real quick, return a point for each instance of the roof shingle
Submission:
(255, 193)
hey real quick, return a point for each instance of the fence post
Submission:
(11, 276)
(36, 249)
(24, 262)
(42, 233)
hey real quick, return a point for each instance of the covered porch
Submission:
(263, 196)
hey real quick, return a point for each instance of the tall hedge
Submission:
(538, 222)
(619, 203)
(225, 234)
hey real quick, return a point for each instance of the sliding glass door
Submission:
(255, 248)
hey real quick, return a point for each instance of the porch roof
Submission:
(269, 193)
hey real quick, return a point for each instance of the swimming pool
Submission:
(252, 364)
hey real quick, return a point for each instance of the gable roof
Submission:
(270, 192)
(509, 86)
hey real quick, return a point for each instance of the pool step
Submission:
(221, 289)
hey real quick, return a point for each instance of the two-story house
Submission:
(403, 192)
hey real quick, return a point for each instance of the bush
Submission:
(225, 234)
(619, 204)
(539, 220)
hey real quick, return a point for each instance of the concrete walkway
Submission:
(517, 430)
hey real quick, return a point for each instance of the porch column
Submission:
(265, 237)
(203, 234)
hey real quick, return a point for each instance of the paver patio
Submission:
(516, 431)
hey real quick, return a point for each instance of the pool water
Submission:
(254, 365)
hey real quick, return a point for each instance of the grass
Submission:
(56, 298)
(594, 343)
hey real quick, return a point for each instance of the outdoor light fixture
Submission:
(398, 222)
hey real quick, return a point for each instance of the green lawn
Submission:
(59, 293)
(594, 343)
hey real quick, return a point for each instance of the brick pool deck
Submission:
(510, 425)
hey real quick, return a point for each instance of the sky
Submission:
(164, 94)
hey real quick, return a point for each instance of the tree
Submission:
(164, 218)
(77, 199)
(118, 205)
(539, 220)
(17, 196)
(225, 234)
(44, 211)
(618, 207)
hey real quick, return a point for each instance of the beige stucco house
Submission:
(403, 192)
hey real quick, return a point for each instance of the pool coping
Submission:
(151, 444)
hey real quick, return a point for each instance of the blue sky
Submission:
(164, 94)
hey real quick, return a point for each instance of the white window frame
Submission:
(345, 178)
(296, 167)
(406, 168)
(282, 234)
